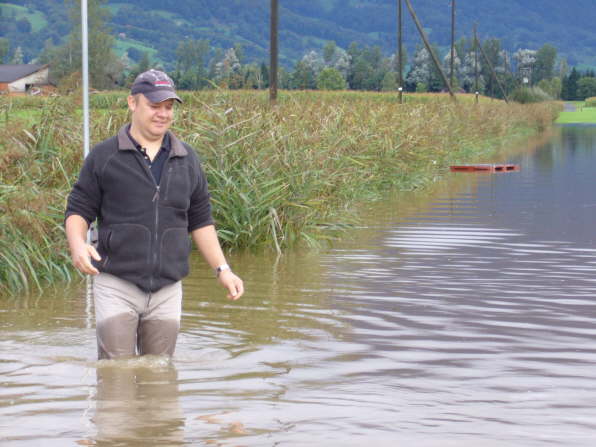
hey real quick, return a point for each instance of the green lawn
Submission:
(581, 116)
(36, 18)
(122, 44)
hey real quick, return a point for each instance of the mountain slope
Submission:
(304, 25)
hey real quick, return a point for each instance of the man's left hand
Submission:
(233, 283)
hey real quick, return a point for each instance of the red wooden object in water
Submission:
(485, 168)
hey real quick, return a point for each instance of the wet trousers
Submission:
(130, 321)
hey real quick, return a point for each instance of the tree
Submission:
(17, 57)
(329, 51)
(468, 73)
(105, 68)
(143, 65)
(265, 75)
(4, 48)
(569, 89)
(544, 67)
(228, 70)
(423, 71)
(23, 25)
(191, 56)
(493, 52)
(551, 86)
(331, 79)
(303, 77)
(586, 88)
(389, 83)
(525, 60)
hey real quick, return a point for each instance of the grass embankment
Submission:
(578, 112)
(279, 177)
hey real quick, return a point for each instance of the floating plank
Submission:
(485, 168)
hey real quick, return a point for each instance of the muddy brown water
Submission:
(464, 316)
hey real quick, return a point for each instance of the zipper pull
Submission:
(156, 196)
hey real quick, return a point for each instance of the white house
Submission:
(21, 78)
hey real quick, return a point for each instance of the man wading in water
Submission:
(148, 192)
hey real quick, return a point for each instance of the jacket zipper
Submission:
(155, 247)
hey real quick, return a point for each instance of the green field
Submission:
(582, 115)
(36, 18)
(121, 45)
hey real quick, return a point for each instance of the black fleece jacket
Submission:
(142, 227)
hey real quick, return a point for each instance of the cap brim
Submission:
(161, 95)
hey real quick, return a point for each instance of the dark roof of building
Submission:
(12, 72)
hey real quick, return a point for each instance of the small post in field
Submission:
(273, 52)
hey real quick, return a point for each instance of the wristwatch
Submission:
(222, 268)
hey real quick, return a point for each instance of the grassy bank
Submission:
(581, 115)
(279, 177)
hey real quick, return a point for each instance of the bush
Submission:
(591, 102)
(331, 79)
(525, 95)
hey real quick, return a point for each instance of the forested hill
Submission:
(159, 25)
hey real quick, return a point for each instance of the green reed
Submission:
(279, 176)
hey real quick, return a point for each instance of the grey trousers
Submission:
(130, 321)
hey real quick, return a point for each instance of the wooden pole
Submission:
(492, 69)
(430, 50)
(273, 52)
(452, 41)
(400, 56)
(476, 64)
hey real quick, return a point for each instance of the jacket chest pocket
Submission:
(177, 187)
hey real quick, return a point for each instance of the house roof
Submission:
(12, 72)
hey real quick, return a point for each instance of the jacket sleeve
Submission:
(85, 198)
(199, 213)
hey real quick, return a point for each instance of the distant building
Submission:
(21, 78)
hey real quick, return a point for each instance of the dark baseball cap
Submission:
(155, 85)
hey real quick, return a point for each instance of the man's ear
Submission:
(132, 103)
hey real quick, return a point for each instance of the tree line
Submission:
(199, 65)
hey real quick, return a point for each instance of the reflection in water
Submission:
(464, 317)
(137, 404)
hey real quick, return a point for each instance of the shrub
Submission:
(331, 79)
(525, 95)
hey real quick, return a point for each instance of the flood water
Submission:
(464, 316)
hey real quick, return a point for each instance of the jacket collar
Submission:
(125, 143)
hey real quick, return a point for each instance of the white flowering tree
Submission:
(457, 65)
(229, 70)
(421, 65)
(468, 73)
(525, 60)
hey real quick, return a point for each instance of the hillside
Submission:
(158, 26)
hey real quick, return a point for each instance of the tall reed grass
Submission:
(279, 176)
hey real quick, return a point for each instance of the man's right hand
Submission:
(80, 251)
(81, 258)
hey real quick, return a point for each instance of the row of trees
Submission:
(198, 65)
(365, 68)
(577, 86)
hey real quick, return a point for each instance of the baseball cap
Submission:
(155, 85)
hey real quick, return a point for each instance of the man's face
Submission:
(151, 119)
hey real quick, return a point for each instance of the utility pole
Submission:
(400, 55)
(85, 61)
(452, 41)
(430, 50)
(86, 138)
(475, 64)
(492, 69)
(273, 52)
